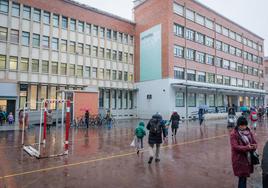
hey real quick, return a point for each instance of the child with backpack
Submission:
(254, 117)
(140, 133)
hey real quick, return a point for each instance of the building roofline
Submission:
(210, 9)
(87, 7)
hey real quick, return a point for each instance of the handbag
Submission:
(134, 142)
(254, 158)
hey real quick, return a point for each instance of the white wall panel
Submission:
(88, 40)
(13, 50)
(36, 28)
(12, 75)
(45, 55)
(46, 30)
(24, 51)
(95, 41)
(35, 53)
(94, 62)
(72, 36)
(55, 32)
(64, 34)
(88, 61)
(3, 21)
(80, 38)
(108, 44)
(26, 25)
(80, 60)
(102, 43)
(55, 56)
(15, 23)
(72, 59)
(64, 57)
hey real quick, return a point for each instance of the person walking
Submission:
(156, 129)
(254, 118)
(264, 166)
(10, 118)
(242, 144)
(140, 133)
(201, 113)
(87, 118)
(174, 119)
(1, 117)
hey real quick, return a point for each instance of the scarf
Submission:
(246, 139)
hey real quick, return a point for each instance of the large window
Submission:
(102, 32)
(125, 76)
(209, 59)
(55, 43)
(72, 47)
(44, 66)
(24, 64)
(43, 92)
(88, 29)
(13, 63)
(201, 99)
(200, 19)
(55, 20)
(209, 24)
(232, 50)
(190, 54)
(191, 75)
(114, 99)
(26, 12)
(233, 82)
(120, 57)
(71, 70)
(225, 31)
(108, 101)
(33, 99)
(108, 74)
(179, 99)
(108, 33)
(209, 42)
(14, 36)
(178, 51)
(3, 33)
(200, 57)
(87, 72)
(232, 65)
(95, 51)
(79, 70)
(36, 40)
(87, 49)
(211, 100)
(218, 62)
(35, 65)
(53, 95)
(63, 45)
(190, 14)
(226, 80)
(178, 73)
(218, 45)
(200, 38)
(201, 76)
(25, 38)
(101, 99)
(114, 55)
(54, 68)
(37, 15)
(218, 28)
(15, 9)
(238, 52)
(63, 69)
(225, 48)
(178, 9)
(95, 31)
(125, 99)
(220, 100)
(178, 30)
(189, 34)
(219, 79)
(2, 62)
(211, 78)
(120, 99)
(239, 67)
(45, 42)
(101, 54)
(94, 72)
(226, 64)
(46, 17)
(80, 48)
(72, 25)
(120, 75)
(191, 99)
(64, 22)
(4, 6)
(114, 75)
(81, 26)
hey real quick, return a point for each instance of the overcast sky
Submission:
(251, 14)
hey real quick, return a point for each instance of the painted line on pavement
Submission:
(107, 158)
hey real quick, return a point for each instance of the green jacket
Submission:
(140, 131)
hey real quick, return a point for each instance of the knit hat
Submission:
(141, 123)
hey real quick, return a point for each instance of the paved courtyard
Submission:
(102, 157)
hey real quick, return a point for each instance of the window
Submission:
(14, 36)
(87, 49)
(72, 47)
(209, 42)
(87, 72)
(114, 99)
(53, 95)
(245, 41)
(200, 57)
(238, 52)
(79, 70)
(80, 26)
(101, 73)
(218, 45)
(72, 25)
(232, 50)
(239, 82)
(55, 43)
(232, 35)
(209, 23)
(255, 59)
(131, 40)
(64, 22)
(218, 62)
(125, 99)
(233, 82)
(219, 79)
(114, 75)
(102, 29)
(95, 31)
(80, 48)
(46, 17)
(120, 37)
(95, 51)
(220, 100)
(190, 14)
(55, 20)
(201, 76)
(201, 99)
(131, 58)
(71, 70)
(211, 100)
(190, 54)
(101, 99)
(250, 57)
(251, 84)
(239, 67)
(209, 59)
(125, 76)
(3, 33)
(35, 65)
(115, 35)
(191, 99)
(255, 72)
(200, 38)
(2, 62)
(179, 99)
(15, 9)
(245, 55)
(200, 19)
(178, 51)
(125, 57)
(189, 34)
(261, 73)
(25, 38)
(63, 45)
(13, 63)
(178, 30)
(120, 75)
(37, 15)
(108, 33)
(94, 72)
(44, 66)
(225, 48)
(33, 100)
(54, 68)
(232, 66)
(178, 9)
(245, 69)
(114, 55)
(226, 80)
(108, 74)
(211, 78)
(45, 42)
(26, 12)
(238, 37)
(218, 28)
(130, 77)
(191, 75)
(125, 38)
(260, 48)
(36, 40)
(178, 73)
(250, 43)
(4, 6)
(108, 53)
(225, 31)
(24, 64)
(101, 54)
(226, 64)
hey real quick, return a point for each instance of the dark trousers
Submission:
(264, 180)
(174, 131)
(87, 122)
(242, 182)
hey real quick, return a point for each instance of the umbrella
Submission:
(243, 108)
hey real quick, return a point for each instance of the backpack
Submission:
(155, 126)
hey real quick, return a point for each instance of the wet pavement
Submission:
(102, 157)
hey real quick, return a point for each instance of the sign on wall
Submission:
(151, 54)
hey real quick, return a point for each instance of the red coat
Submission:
(241, 166)
(251, 118)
